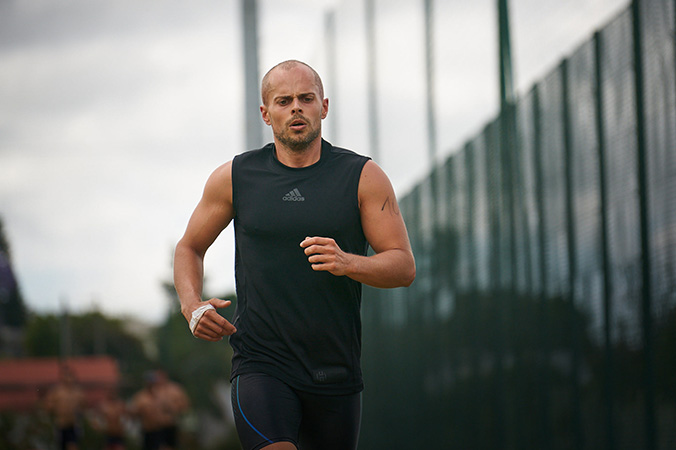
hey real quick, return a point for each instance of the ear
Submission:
(325, 108)
(264, 114)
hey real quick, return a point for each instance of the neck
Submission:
(299, 158)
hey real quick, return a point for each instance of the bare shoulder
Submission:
(219, 184)
(375, 187)
(372, 175)
(222, 175)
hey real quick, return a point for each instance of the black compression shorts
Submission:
(153, 440)
(267, 411)
(68, 435)
(170, 436)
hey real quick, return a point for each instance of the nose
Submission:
(296, 106)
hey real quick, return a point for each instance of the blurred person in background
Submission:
(304, 213)
(109, 418)
(173, 399)
(147, 408)
(65, 402)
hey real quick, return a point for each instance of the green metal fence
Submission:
(543, 315)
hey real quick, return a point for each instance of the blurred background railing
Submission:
(543, 313)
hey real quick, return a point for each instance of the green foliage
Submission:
(89, 333)
(42, 336)
(26, 430)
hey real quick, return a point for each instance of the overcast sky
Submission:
(114, 113)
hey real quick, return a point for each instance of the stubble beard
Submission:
(300, 142)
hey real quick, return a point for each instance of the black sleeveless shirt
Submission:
(299, 325)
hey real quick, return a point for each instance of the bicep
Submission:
(213, 212)
(381, 218)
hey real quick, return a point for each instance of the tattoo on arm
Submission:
(391, 207)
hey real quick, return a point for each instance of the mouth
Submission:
(297, 124)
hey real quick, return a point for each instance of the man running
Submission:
(304, 213)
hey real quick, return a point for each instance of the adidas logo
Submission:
(294, 196)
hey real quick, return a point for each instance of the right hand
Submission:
(212, 326)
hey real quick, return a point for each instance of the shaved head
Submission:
(288, 65)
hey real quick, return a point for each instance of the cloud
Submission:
(109, 131)
(113, 114)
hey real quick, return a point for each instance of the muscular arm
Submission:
(393, 264)
(213, 213)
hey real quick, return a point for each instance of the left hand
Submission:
(325, 255)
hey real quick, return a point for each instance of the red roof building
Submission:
(23, 382)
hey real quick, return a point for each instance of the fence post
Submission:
(543, 360)
(430, 79)
(644, 210)
(331, 59)
(608, 373)
(572, 260)
(374, 137)
(254, 126)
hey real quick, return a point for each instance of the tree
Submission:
(12, 309)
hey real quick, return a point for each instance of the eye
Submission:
(282, 101)
(308, 98)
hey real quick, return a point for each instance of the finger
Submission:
(207, 336)
(321, 262)
(320, 253)
(203, 331)
(312, 249)
(218, 303)
(213, 331)
(212, 326)
(218, 324)
(319, 258)
(321, 249)
(315, 240)
(228, 329)
(209, 328)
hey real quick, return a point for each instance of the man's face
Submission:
(294, 107)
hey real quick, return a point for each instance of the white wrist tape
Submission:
(197, 315)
